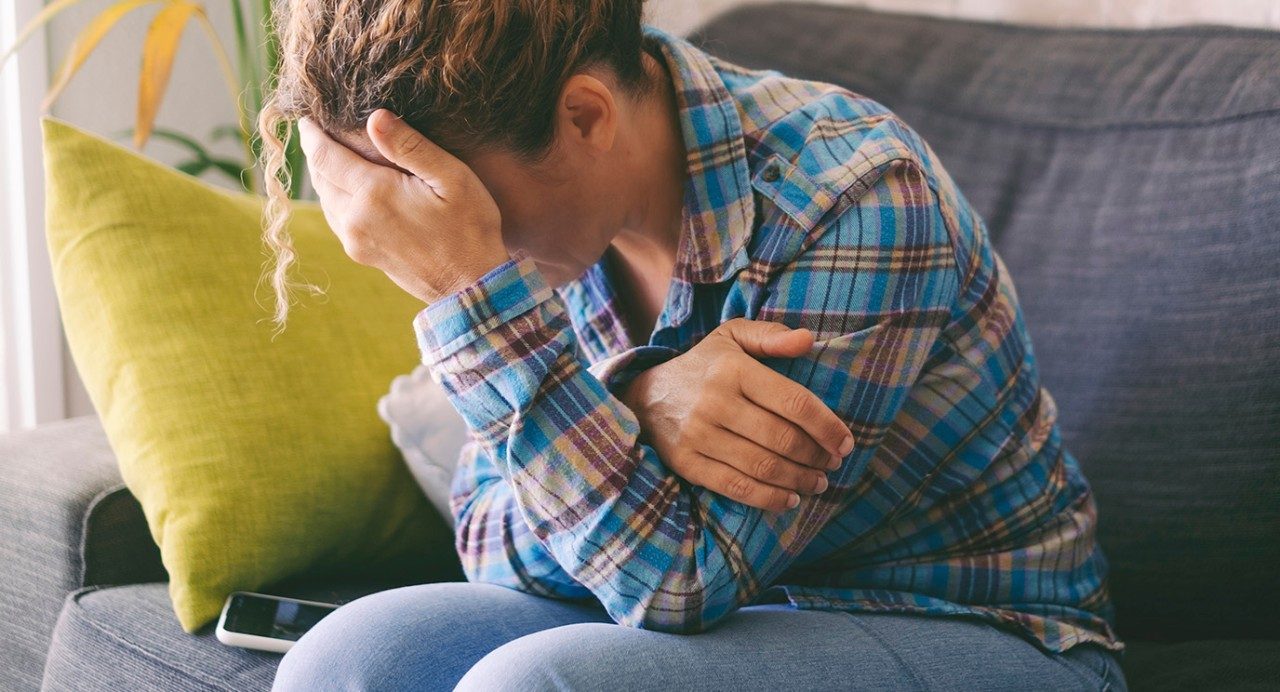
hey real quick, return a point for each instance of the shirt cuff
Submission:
(502, 294)
(617, 371)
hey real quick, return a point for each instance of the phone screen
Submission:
(268, 617)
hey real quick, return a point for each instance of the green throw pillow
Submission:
(254, 461)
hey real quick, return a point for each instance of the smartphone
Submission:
(267, 623)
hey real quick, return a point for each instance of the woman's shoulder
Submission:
(815, 149)
(834, 135)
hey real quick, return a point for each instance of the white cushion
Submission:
(428, 431)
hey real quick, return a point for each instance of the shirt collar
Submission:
(719, 207)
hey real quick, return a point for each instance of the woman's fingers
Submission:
(333, 200)
(762, 464)
(789, 399)
(330, 159)
(406, 147)
(724, 479)
(775, 433)
(764, 339)
(328, 193)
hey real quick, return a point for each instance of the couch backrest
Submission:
(1131, 182)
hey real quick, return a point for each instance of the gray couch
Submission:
(1131, 181)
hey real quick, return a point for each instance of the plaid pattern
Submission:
(814, 207)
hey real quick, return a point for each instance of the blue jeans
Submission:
(486, 637)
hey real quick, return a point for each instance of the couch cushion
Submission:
(1222, 664)
(1131, 182)
(126, 638)
(66, 520)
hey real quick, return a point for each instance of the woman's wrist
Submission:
(632, 394)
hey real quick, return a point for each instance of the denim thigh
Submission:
(420, 637)
(773, 647)
(486, 637)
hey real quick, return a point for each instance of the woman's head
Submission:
(492, 81)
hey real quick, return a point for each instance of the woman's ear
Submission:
(587, 114)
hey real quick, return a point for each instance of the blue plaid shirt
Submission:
(814, 207)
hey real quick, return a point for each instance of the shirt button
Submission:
(771, 173)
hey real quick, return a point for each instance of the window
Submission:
(31, 363)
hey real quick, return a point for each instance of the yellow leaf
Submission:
(43, 16)
(158, 51)
(88, 39)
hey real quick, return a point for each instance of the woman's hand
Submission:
(721, 419)
(430, 225)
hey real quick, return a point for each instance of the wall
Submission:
(102, 97)
(681, 15)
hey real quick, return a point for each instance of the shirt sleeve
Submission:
(656, 551)
(493, 539)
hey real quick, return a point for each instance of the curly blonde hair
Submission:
(469, 74)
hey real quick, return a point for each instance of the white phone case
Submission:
(253, 641)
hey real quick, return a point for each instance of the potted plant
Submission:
(246, 77)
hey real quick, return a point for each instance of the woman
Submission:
(737, 359)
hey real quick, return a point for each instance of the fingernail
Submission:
(793, 500)
(822, 485)
(836, 461)
(379, 122)
(846, 446)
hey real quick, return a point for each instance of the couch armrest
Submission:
(66, 521)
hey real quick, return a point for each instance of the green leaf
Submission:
(297, 162)
(233, 169)
(227, 131)
(183, 140)
(194, 168)
(245, 57)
